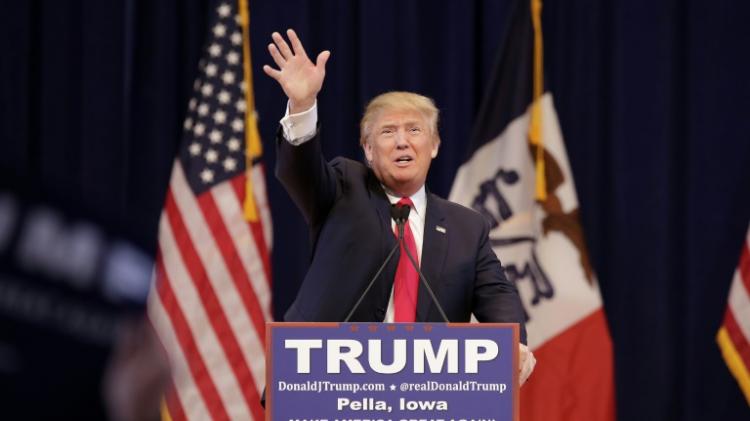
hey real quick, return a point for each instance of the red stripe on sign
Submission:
(215, 312)
(256, 228)
(574, 377)
(194, 359)
(744, 267)
(738, 338)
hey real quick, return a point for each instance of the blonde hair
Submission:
(398, 100)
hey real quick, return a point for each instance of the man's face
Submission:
(400, 148)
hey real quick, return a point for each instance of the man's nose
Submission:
(401, 142)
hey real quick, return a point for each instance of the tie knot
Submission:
(405, 201)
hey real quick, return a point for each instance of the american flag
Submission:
(212, 292)
(734, 334)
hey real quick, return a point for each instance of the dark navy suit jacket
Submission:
(348, 213)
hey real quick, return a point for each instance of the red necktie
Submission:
(407, 280)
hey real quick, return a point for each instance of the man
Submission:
(346, 205)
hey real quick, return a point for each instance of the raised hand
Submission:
(300, 79)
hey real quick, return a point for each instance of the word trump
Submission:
(349, 353)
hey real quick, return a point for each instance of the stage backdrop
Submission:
(653, 100)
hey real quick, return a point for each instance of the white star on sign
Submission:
(233, 144)
(233, 58)
(195, 149)
(236, 38)
(224, 97)
(220, 116)
(220, 30)
(227, 77)
(237, 125)
(211, 156)
(224, 10)
(393, 387)
(214, 50)
(199, 129)
(203, 109)
(207, 175)
(230, 164)
(211, 70)
(215, 136)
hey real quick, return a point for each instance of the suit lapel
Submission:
(434, 247)
(383, 207)
(382, 287)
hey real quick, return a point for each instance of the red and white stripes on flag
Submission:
(212, 294)
(734, 334)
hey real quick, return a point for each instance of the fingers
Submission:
(276, 55)
(530, 369)
(294, 58)
(296, 43)
(270, 71)
(282, 46)
(527, 364)
(322, 59)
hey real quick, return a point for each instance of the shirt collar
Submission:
(419, 199)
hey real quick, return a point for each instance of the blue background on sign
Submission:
(288, 405)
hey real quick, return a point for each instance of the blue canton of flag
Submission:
(212, 150)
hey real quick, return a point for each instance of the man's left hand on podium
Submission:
(526, 363)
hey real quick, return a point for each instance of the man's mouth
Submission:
(403, 160)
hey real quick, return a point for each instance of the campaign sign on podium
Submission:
(392, 371)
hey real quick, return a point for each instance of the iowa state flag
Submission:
(539, 241)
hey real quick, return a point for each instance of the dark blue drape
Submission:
(653, 99)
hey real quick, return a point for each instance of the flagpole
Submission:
(535, 130)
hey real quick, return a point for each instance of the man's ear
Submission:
(368, 150)
(435, 147)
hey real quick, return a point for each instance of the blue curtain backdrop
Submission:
(653, 98)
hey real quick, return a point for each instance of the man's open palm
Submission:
(299, 77)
